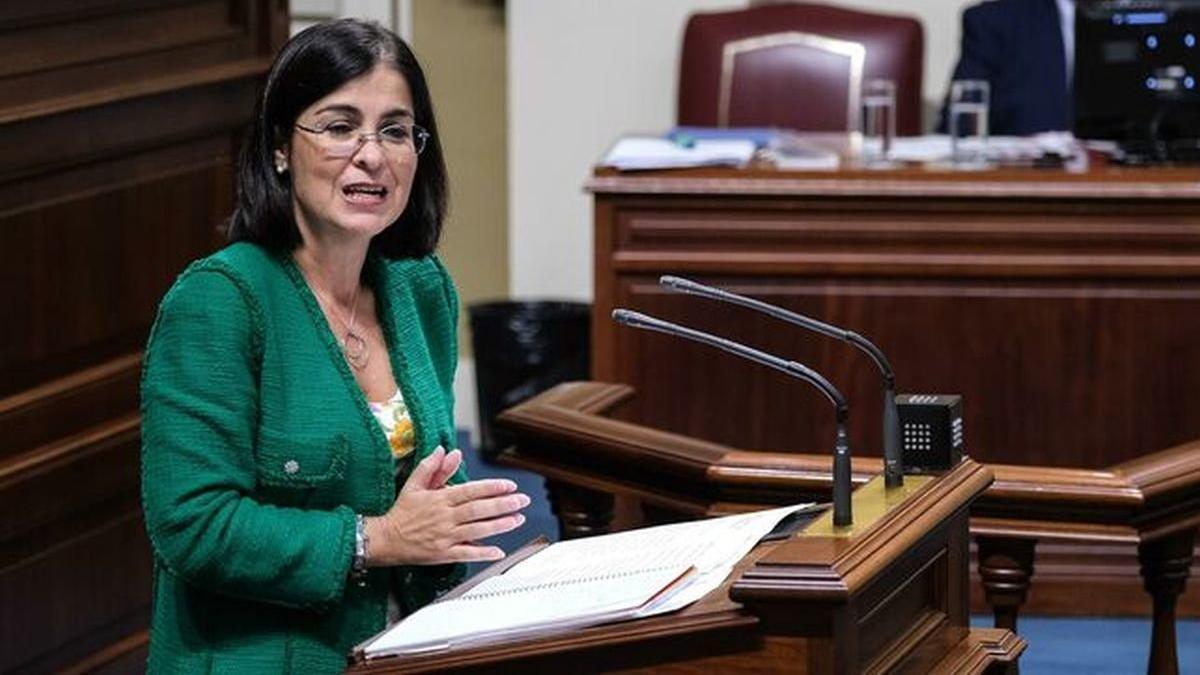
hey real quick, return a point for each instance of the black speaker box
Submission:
(931, 431)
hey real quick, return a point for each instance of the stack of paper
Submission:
(937, 148)
(639, 153)
(493, 612)
(584, 582)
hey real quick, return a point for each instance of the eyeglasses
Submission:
(342, 139)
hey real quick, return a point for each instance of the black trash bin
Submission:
(522, 349)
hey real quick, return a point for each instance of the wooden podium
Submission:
(887, 594)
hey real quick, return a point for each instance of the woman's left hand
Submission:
(432, 523)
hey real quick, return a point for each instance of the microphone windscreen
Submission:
(626, 317)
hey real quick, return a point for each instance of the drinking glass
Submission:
(878, 122)
(969, 123)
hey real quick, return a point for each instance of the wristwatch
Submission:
(358, 566)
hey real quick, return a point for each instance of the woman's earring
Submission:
(280, 166)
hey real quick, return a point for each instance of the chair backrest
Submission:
(798, 66)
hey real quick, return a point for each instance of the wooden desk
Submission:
(1063, 305)
(888, 596)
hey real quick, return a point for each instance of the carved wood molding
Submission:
(25, 15)
(554, 417)
(983, 648)
(135, 645)
(46, 413)
(915, 264)
(1113, 184)
(836, 570)
(246, 69)
(28, 482)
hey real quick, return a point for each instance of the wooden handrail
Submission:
(1123, 495)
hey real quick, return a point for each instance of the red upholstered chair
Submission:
(798, 66)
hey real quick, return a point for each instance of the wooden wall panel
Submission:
(65, 407)
(66, 308)
(1071, 314)
(119, 124)
(1057, 373)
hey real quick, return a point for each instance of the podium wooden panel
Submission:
(1048, 296)
(595, 463)
(883, 596)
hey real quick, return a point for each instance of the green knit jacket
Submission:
(257, 450)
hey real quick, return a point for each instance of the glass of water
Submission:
(878, 122)
(969, 123)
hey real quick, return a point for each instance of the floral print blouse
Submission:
(397, 425)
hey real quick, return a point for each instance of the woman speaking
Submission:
(296, 391)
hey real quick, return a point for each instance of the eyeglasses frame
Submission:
(418, 132)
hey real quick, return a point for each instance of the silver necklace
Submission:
(353, 345)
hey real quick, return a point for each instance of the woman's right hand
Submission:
(432, 523)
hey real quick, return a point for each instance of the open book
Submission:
(585, 582)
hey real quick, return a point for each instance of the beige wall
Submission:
(305, 13)
(581, 73)
(461, 44)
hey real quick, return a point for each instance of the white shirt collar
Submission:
(1066, 21)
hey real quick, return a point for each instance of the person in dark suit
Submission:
(1025, 50)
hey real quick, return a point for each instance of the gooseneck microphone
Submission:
(893, 466)
(841, 453)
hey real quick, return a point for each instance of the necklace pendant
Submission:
(354, 347)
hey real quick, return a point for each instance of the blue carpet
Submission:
(1056, 644)
(1098, 646)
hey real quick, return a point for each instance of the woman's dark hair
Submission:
(314, 63)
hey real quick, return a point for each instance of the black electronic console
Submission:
(1137, 77)
(931, 431)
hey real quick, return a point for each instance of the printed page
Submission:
(587, 581)
(707, 544)
(504, 613)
